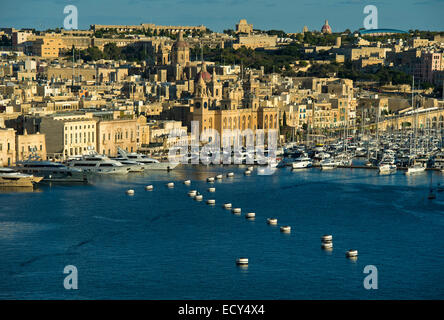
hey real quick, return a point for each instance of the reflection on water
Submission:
(20, 189)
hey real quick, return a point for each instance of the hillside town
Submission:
(64, 93)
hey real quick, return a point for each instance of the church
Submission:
(217, 101)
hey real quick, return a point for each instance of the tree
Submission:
(112, 52)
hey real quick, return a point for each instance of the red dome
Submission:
(326, 28)
(204, 74)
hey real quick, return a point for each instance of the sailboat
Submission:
(415, 167)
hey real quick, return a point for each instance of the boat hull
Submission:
(19, 181)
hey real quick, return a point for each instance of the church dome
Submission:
(326, 28)
(204, 74)
(180, 43)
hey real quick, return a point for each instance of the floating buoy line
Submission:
(326, 240)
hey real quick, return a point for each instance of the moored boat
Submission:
(12, 178)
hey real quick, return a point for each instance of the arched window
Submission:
(266, 122)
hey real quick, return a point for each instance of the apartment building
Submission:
(7, 146)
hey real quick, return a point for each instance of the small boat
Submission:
(301, 163)
(387, 168)
(329, 164)
(12, 178)
(415, 169)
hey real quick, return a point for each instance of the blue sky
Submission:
(288, 15)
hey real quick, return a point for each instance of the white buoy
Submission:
(192, 193)
(236, 210)
(250, 168)
(250, 215)
(219, 177)
(210, 179)
(247, 172)
(242, 261)
(149, 188)
(170, 184)
(351, 253)
(211, 189)
(327, 245)
(130, 192)
(187, 182)
(272, 221)
(327, 238)
(286, 229)
(198, 197)
(230, 174)
(227, 205)
(211, 201)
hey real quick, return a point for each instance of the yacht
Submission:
(51, 171)
(415, 168)
(95, 163)
(133, 166)
(301, 163)
(330, 163)
(386, 168)
(146, 162)
(12, 178)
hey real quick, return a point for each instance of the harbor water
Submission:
(162, 244)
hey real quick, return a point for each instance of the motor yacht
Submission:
(330, 163)
(146, 162)
(95, 163)
(302, 163)
(51, 171)
(415, 169)
(386, 168)
(12, 178)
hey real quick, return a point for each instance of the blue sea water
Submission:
(161, 244)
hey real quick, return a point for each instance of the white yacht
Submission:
(386, 168)
(95, 163)
(302, 163)
(146, 162)
(12, 178)
(330, 163)
(133, 166)
(415, 168)
(51, 171)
